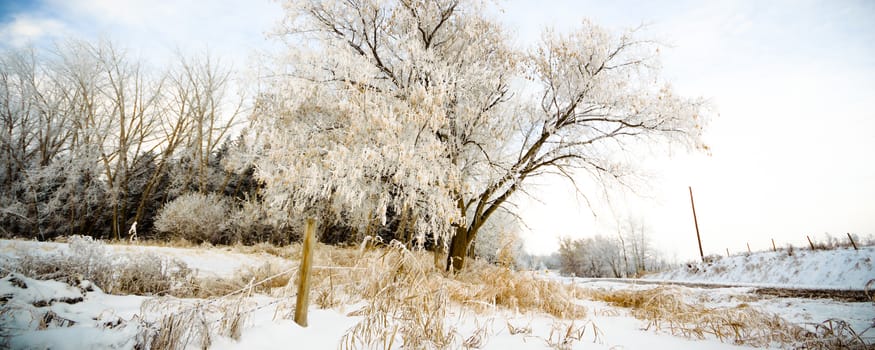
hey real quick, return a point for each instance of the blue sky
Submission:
(792, 83)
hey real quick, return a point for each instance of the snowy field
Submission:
(46, 314)
(843, 268)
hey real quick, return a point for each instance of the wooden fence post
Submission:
(748, 247)
(696, 222)
(809, 242)
(774, 248)
(852, 241)
(303, 300)
(727, 252)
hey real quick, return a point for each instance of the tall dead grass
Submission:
(665, 308)
(408, 301)
(484, 285)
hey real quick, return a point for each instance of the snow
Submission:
(54, 315)
(89, 318)
(846, 269)
(31, 291)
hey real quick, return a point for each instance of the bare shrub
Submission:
(195, 217)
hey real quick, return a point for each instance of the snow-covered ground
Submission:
(818, 269)
(53, 315)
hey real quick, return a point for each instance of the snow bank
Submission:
(819, 269)
(38, 314)
(30, 291)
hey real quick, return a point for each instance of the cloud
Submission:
(159, 28)
(25, 29)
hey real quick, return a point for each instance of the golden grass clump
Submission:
(405, 299)
(483, 284)
(665, 308)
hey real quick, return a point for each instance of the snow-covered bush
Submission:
(87, 259)
(149, 274)
(195, 217)
(90, 260)
(254, 223)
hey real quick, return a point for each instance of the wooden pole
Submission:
(727, 252)
(748, 247)
(696, 222)
(852, 241)
(774, 248)
(303, 300)
(809, 242)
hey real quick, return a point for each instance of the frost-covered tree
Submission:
(597, 256)
(424, 107)
(499, 241)
(638, 252)
(88, 136)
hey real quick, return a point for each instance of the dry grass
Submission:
(406, 304)
(408, 301)
(192, 324)
(664, 308)
(263, 279)
(484, 285)
(564, 335)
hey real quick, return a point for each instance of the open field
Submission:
(89, 294)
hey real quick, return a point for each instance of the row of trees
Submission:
(409, 120)
(92, 141)
(627, 255)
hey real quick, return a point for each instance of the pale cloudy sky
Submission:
(792, 83)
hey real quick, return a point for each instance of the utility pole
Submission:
(696, 222)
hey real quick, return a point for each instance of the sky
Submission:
(791, 85)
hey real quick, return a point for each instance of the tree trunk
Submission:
(460, 244)
(458, 249)
(439, 253)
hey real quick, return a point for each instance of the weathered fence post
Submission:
(748, 247)
(303, 300)
(727, 252)
(809, 242)
(774, 248)
(852, 241)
